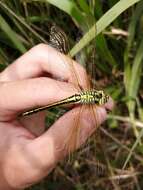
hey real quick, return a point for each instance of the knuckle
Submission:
(40, 47)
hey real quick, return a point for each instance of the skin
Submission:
(28, 152)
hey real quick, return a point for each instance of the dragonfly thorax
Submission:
(94, 97)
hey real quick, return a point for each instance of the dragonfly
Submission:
(90, 97)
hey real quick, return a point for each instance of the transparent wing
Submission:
(72, 141)
(58, 40)
(89, 54)
(84, 125)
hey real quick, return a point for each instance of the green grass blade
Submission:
(22, 21)
(127, 76)
(133, 148)
(132, 29)
(11, 35)
(84, 6)
(104, 50)
(135, 76)
(103, 22)
(70, 8)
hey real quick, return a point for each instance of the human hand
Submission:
(27, 153)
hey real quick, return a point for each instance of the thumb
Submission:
(49, 148)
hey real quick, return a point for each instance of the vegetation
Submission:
(116, 161)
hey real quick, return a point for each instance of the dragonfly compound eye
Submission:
(104, 99)
(98, 95)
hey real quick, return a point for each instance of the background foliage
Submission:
(116, 161)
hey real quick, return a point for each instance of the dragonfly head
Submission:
(102, 97)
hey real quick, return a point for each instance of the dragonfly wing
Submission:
(72, 141)
(80, 80)
(77, 75)
(59, 41)
(96, 120)
(92, 117)
(85, 122)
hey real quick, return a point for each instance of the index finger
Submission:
(43, 59)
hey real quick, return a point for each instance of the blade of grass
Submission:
(23, 32)
(11, 35)
(133, 148)
(104, 50)
(135, 76)
(102, 23)
(3, 57)
(70, 8)
(84, 6)
(108, 134)
(22, 21)
(132, 28)
(134, 84)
